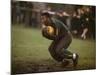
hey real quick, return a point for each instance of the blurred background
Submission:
(80, 19)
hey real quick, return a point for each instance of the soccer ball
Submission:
(48, 32)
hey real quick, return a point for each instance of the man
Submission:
(55, 30)
(62, 16)
(76, 24)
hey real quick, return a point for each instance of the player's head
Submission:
(45, 17)
(46, 14)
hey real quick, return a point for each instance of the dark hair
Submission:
(45, 14)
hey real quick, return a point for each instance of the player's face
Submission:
(44, 19)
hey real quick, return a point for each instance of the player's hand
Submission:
(43, 26)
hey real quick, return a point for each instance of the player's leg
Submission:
(61, 49)
(53, 52)
(63, 44)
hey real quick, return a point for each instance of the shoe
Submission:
(64, 63)
(75, 59)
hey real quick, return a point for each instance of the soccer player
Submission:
(57, 31)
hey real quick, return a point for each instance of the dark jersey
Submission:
(62, 28)
(57, 25)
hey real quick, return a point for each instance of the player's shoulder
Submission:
(55, 20)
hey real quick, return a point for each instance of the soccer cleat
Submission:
(65, 62)
(75, 59)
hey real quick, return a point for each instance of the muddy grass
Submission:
(33, 67)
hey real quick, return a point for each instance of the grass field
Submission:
(30, 52)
